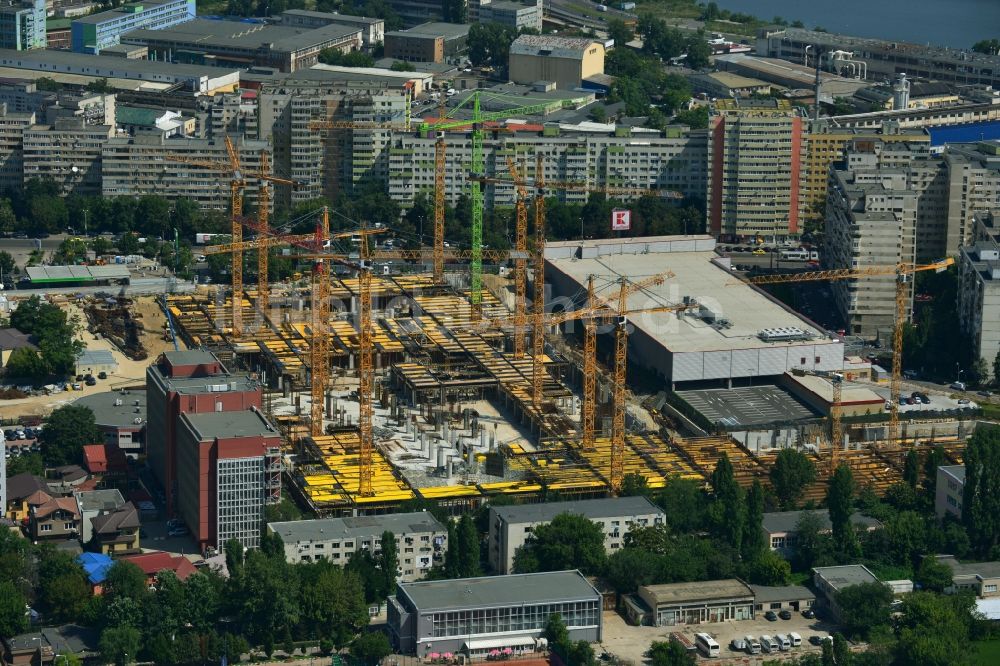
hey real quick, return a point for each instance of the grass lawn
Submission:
(670, 8)
(986, 653)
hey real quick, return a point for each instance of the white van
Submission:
(795, 639)
(752, 644)
(768, 644)
(784, 644)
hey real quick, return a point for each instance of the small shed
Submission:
(95, 361)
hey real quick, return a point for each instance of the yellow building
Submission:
(825, 145)
(565, 61)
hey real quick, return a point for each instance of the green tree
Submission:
(555, 631)
(402, 66)
(388, 563)
(125, 580)
(841, 650)
(728, 511)
(333, 56)
(669, 653)
(791, 473)
(754, 539)
(570, 541)
(906, 536)
(452, 556)
(634, 485)
(685, 503)
(26, 363)
(371, 647)
(489, 45)
(62, 586)
(47, 84)
(13, 620)
(67, 430)
(813, 547)
(26, 462)
(840, 501)
(628, 568)
(120, 645)
(933, 574)
(911, 468)
(696, 118)
(698, 51)
(619, 32)
(6, 260)
(987, 46)
(981, 502)
(468, 543)
(864, 607)
(598, 113)
(769, 568)
(933, 630)
(332, 602)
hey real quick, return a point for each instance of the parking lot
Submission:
(747, 405)
(629, 644)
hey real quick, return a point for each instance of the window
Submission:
(68, 526)
(989, 588)
(47, 527)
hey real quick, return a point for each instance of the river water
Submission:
(954, 23)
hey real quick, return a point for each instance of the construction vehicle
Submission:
(903, 273)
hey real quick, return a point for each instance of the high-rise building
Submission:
(91, 33)
(979, 288)
(67, 152)
(12, 126)
(228, 468)
(22, 25)
(756, 151)
(187, 382)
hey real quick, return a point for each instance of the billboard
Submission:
(621, 219)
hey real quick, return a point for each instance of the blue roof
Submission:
(969, 133)
(95, 565)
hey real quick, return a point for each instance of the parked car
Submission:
(178, 531)
(963, 401)
(771, 616)
(985, 394)
(91, 382)
(102, 375)
(809, 614)
(785, 614)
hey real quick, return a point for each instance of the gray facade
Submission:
(511, 526)
(475, 615)
(949, 491)
(694, 603)
(979, 290)
(421, 540)
(94, 503)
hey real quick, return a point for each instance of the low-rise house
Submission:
(787, 597)
(20, 488)
(511, 526)
(982, 578)
(57, 518)
(780, 527)
(829, 581)
(94, 503)
(421, 540)
(117, 532)
(157, 561)
(43, 646)
(95, 566)
(671, 604)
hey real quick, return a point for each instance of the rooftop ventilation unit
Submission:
(783, 334)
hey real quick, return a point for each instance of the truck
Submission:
(201, 239)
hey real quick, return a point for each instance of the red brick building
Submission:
(188, 382)
(228, 468)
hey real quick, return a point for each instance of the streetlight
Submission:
(958, 372)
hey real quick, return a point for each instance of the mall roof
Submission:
(212, 33)
(89, 357)
(499, 591)
(42, 274)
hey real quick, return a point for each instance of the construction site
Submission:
(456, 375)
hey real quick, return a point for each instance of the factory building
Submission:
(421, 540)
(95, 32)
(473, 616)
(510, 527)
(228, 468)
(373, 29)
(565, 61)
(428, 42)
(733, 331)
(188, 382)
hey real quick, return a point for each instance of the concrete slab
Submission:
(747, 405)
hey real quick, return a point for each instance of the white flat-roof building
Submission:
(735, 330)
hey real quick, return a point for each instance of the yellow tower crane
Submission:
(903, 273)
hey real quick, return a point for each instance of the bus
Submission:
(707, 645)
(795, 255)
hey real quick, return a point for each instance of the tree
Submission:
(454, 11)
(840, 501)
(47, 84)
(933, 630)
(669, 653)
(840, 650)
(120, 645)
(933, 574)
(452, 556)
(754, 539)
(6, 260)
(906, 537)
(813, 546)
(987, 46)
(26, 462)
(911, 468)
(598, 113)
(489, 45)
(981, 501)
(402, 66)
(25, 363)
(863, 607)
(634, 485)
(371, 647)
(629, 568)
(685, 504)
(769, 568)
(388, 563)
(13, 619)
(619, 32)
(333, 56)
(62, 586)
(728, 512)
(696, 118)
(468, 543)
(570, 541)
(698, 51)
(791, 473)
(125, 580)
(66, 432)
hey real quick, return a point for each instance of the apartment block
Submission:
(12, 127)
(137, 165)
(673, 161)
(950, 491)
(826, 144)
(421, 540)
(228, 468)
(22, 25)
(510, 527)
(187, 382)
(979, 288)
(871, 220)
(757, 150)
(881, 59)
(69, 152)
(92, 33)
(516, 15)
(329, 161)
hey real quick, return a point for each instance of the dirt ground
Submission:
(129, 371)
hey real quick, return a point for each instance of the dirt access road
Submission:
(129, 371)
